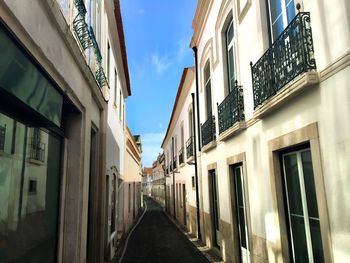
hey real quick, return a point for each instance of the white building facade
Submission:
(275, 148)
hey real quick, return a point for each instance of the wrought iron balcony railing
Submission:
(174, 162)
(208, 131)
(80, 26)
(189, 147)
(2, 137)
(99, 74)
(289, 56)
(231, 109)
(37, 149)
(181, 155)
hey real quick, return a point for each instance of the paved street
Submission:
(157, 239)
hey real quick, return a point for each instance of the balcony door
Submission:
(281, 13)
(303, 222)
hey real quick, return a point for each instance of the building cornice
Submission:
(199, 20)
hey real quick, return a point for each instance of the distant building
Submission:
(158, 180)
(129, 186)
(147, 181)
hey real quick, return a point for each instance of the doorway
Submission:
(214, 207)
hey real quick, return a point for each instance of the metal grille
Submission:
(208, 130)
(289, 56)
(80, 26)
(189, 147)
(231, 109)
(37, 149)
(181, 155)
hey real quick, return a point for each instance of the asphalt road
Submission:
(157, 239)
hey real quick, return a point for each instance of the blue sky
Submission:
(157, 35)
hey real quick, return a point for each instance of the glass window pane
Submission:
(239, 189)
(317, 249)
(290, 11)
(275, 9)
(229, 34)
(299, 239)
(231, 69)
(293, 184)
(29, 190)
(309, 184)
(277, 27)
(242, 225)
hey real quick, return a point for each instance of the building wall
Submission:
(62, 59)
(320, 108)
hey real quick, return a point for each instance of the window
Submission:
(32, 187)
(115, 87)
(190, 123)
(229, 41)
(182, 136)
(108, 59)
(281, 13)
(96, 19)
(193, 183)
(120, 105)
(207, 84)
(301, 207)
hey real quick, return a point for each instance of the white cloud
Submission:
(161, 64)
(151, 143)
(182, 49)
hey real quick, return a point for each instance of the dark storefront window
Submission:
(29, 192)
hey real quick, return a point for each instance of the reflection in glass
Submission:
(28, 193)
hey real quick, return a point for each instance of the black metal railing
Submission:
(99, 74)
(174, 162)
(289, 56)
(189, 147)
(231, 109)
(80, 26)
(2, 137)
(37, 149)
(181, 155)
(208, 131)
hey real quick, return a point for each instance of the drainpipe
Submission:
(196, 168)
(197, 97)
(172, 163)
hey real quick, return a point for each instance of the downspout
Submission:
(197, 97)
(196, 169)
(172, 163)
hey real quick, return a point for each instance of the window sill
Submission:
(209, 146)
(190, 160)
(34, 161)
(292, 89)
(181, 165)
(236, 128)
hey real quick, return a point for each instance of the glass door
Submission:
(302, 211)
(214, 207)
(241, 213)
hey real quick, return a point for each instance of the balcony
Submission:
(208, 131)
(99, 72)
(231, 113)
(289, 57)
(189, 147)
(2, 137)
(37, 150)
(80, 26)
(181, 156)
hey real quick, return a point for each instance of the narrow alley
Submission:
(157, 239)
